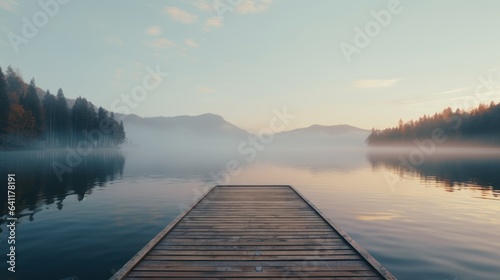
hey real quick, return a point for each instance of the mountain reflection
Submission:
(37, 183)
(453, 169)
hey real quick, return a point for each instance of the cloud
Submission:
(374, 83)
(253, 6)
(8, 5)
(213, 22)
(153, 30)
(160, 43)
(452, 90)
(191, 43)
(205, 89)
(180, 15)
(435, 97)
(204, 5)
(240, 6)
(115, 40)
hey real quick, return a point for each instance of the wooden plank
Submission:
(254, 273)
(300, 276)
(251, 232)
(274, 210)
(250, 227)
(266, 235)
(236, 241)
(257, 230)
(233, 216)
(252, 247)
(254, 258)
(168, 252)
(297, 264)
(249, 266)
(252, 224)
(250, 220)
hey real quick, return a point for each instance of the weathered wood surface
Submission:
(252, 232)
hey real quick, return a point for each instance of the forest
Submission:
(33, 118)
(477, 126)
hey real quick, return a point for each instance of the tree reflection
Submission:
(453, 171)
(37, 184)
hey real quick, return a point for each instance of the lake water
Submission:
(439, 219)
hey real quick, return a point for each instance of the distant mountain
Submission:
(315, 136)
(208, 124)
(213, 131)
(207, 131)
(326, 130)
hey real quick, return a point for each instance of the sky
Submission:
(364, 63)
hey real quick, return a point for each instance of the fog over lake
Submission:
(434, 220)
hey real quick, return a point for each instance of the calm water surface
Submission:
(438, 220)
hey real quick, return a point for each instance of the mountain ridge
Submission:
(214, 119)
(328, 129)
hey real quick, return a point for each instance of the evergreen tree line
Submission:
(27, 121)
(479, 124)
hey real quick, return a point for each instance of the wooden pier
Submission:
(252, 232)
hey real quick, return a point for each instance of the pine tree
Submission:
(76, 120)
(31, 103)
(102, 114)
(102, 118)
(4, 104)
(49, 108)
(83, 118)
(15, 84)
(62, 119)
(121, 134)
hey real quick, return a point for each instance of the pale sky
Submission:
(261, 55)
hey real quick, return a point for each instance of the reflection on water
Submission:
(377, 216)
(453, 169)
(40, 185)
(104, 211)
